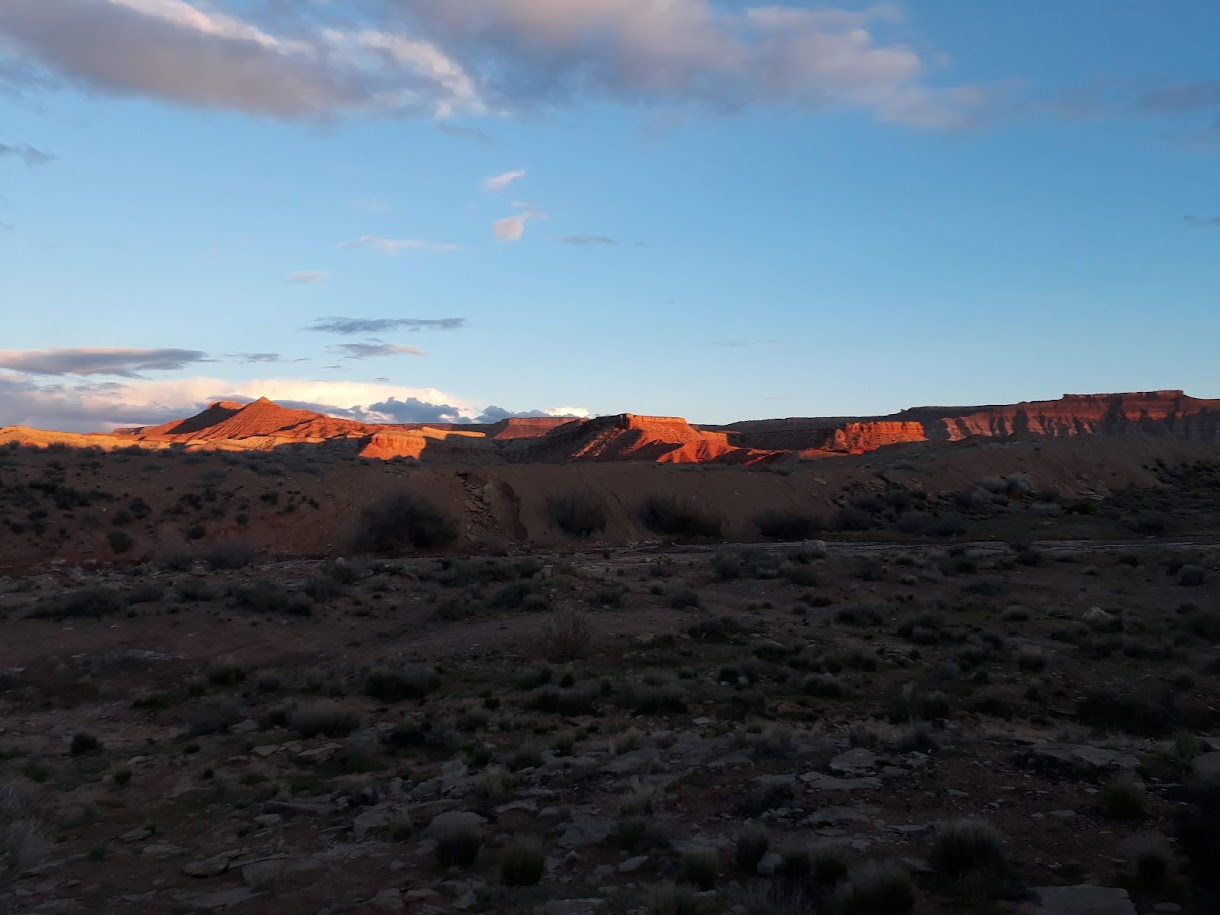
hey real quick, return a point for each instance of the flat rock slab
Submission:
(854, 762)
(572, 906)
(1082, 756)
(1083, 900)
(1208, 765)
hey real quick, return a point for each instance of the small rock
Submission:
(632, 864)
(467, 900)
(768, 864)
(267, 820)
(209, 867)
(854, 762)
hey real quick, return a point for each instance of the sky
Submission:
(459, 210)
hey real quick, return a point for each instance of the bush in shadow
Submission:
(578, 514)
(404, 520)
(666, 515)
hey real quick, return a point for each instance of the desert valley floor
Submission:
(971, 676)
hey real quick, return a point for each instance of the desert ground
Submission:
(937, 677)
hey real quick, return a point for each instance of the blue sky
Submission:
(711, 209)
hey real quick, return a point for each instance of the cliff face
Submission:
(857, 438)
(1153, 413)
(264, 426)
(628, 437)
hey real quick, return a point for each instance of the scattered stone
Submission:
(210, 867)
(267, 820)
(467, 900)
(854, 762)
(632, 864)
(136, 835)
(572, 907)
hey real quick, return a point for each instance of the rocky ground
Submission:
(856, 727)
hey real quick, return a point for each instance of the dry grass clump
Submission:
(329, 719)
(569, 634)
(522, 862)
(670, 517)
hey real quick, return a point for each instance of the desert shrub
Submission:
(780, 524)
(1197, 829)
(145, 593)
(649, 699)
(84, 742)
(404, 520)
(457, 842)
(638, 799)
(496, 785)
(569, 635)
(265, 596)
(212, 717)
(964, 848)
(1124, 798)
(1152, 859)
(750, 845)
(120, 541)
(393, 684)
(853, 518)
(701, 868)
(522, 862)
(824, 686)
(92, 602)
(230, 555)
(225, 673)
(196, 589)
(328, 719)
(715, 629)
(774, 743)
(670, 517)
(1192, 576)
(873, 888)
(577, 513)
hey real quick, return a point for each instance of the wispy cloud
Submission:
(125, 363)
(396, 245)
(309, 276)
(464, 133)
(26, 153)
(446, 58)
(497, 183)
(260, 358)
(582, 241)
(512, 228)
(363, 326)
(1203, 222)
(373, 350)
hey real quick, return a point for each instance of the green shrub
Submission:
(413, 681)
(458, 843)
(404, 520)
(326, 718)
(82, 743)
(1124, 798)
(578, 513)
(120, 541)
(749, 847)
(884, 888)
(92, 602)
(669, 517)
(230, 555)
(782, 524)
(964, 848)
(522, 862)
(701, 868)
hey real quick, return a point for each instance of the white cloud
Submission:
(100, 407)
(512, 228)
(497, 183)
